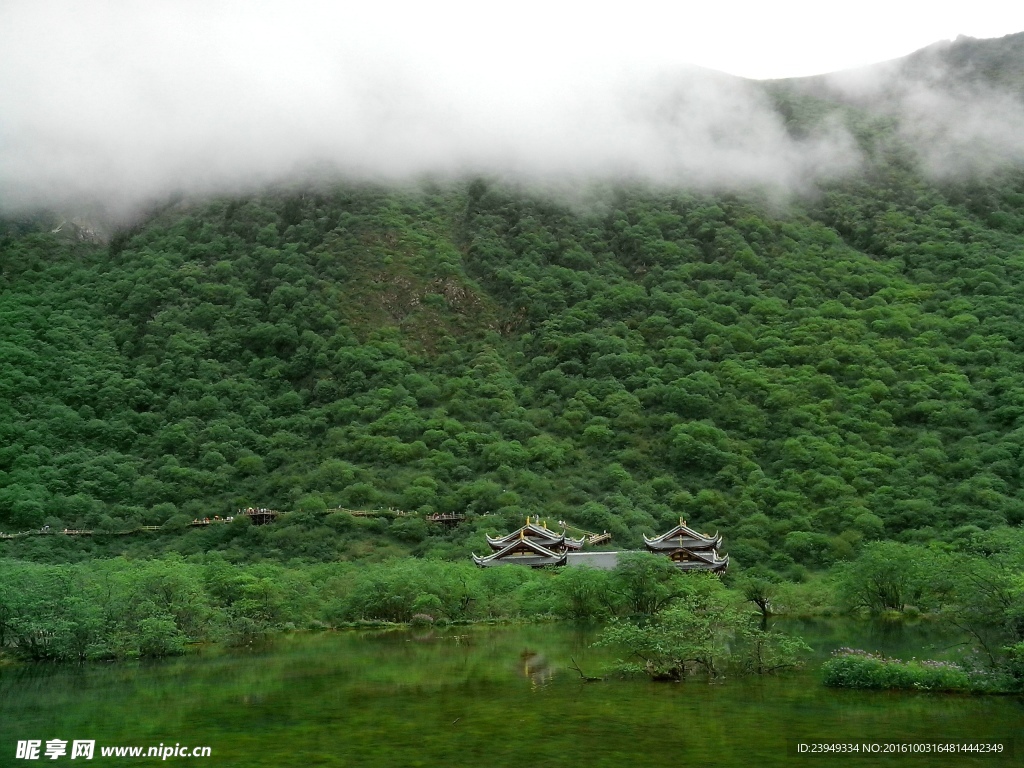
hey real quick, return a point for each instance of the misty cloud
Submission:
(964, 131)
(120, 103)
(959, 106)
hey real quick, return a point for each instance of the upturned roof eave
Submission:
(684, 532)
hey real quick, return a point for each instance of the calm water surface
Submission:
(486, 697)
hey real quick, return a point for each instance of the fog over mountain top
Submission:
(959, 103)
(121, 103)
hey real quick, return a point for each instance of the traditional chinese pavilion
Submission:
(533, 545)
(539, 533)
(689, 549)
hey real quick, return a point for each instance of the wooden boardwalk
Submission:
(389, 512)
(62, 532)
(258, 516)
(445, 518)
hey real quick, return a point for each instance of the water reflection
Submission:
(451, 696)
(891, 637)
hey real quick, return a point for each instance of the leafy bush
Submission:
(850, 668)
(704, 631)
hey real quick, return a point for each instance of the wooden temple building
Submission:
(533, 545)
(690, 550)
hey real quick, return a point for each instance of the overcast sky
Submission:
(131, 99)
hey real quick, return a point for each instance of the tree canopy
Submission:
(805, 376)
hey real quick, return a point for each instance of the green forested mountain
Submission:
(804, 375)
(801, 378)
(966, 61)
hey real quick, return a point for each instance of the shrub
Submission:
(704, 632)
(160, 637)
(851, 668)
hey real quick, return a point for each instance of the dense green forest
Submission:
(803, 376)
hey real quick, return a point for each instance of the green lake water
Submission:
(486, 696)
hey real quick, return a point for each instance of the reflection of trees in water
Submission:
(888, 631)
(891, 637)
(19, 680)
(385, 699)
(898, 633)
